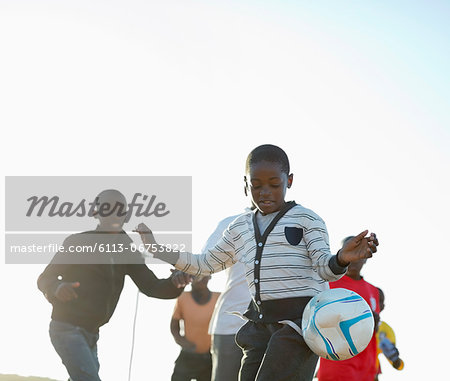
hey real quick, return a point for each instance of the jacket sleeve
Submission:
(150, 285)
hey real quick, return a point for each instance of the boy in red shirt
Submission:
(362, 367)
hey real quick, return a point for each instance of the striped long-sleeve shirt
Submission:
(290, 259)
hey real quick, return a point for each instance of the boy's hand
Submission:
(376, 318)
(180, 279)
(358, 247)
(187, 345)
(158, 251)
(65, 291)
(146, 234)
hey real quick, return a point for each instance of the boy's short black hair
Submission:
(270, 153)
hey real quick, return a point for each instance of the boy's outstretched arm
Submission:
(150, 285)
(215, 259)
(358, 247)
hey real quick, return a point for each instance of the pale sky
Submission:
(356, 92)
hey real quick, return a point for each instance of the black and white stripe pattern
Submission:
(285, 270)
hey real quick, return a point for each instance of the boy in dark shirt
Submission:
(84, 296)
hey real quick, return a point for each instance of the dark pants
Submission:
(274, 352)
(191, 365)
(226, 358)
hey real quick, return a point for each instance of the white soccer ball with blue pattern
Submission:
(337, 324)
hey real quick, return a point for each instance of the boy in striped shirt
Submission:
(285, 250)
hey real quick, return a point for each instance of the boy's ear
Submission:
(245, 186)
(290, 179)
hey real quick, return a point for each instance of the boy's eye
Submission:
(259, 186)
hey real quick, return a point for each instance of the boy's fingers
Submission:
(142, 228)
(373, 242)
(179, 282)
(182, 279)
(70, 292)
(373, 238)
(67, 293)
(361, 235)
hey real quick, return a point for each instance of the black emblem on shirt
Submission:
(293, 235)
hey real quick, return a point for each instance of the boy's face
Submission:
(354, 268)
(268, 184)
(111, 210)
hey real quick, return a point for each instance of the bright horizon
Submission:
(356, 93)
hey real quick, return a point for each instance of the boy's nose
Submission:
(264, 191)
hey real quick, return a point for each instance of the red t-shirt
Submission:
(363, 366)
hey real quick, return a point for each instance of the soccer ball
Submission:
(337, 324)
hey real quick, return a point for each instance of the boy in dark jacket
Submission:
(84, 296)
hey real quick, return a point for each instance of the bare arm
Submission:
(180, 340)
